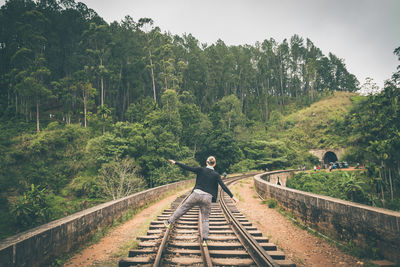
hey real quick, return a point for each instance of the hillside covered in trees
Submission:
(84, 103)
(61, 58)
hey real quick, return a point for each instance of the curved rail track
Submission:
(233, 240)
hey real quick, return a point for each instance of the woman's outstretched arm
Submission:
(226, 189)
(185, 167)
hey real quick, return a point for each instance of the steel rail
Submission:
(161, 249)
(205, 253)
(256, 251)
(204, 250)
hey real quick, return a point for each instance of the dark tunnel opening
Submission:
(330, 157)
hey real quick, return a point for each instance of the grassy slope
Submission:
(317, 126)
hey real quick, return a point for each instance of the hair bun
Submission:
(211, 160)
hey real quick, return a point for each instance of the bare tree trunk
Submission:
(276, 99)
(102, 84)
(102, 91)
(152, 77)
(26, 112)
(390, 181)
(37, 116)
(315, 80)
(260, 104)
(281, 83)
(242, 100)
(266, 108)
(266, 102)
(84, 111)
(382, 192)
(128, 100)
(194, 150)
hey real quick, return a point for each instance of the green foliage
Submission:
(8, 130)
(223, 147)
(350, 186)
(243, 166)
(165, 174)
(168, 173)
(137, 112)
(50, 158)
(32, 208)
(195, 125)
(89, 63)
(227, 113)
(270, 202)
(105, 148)
(84, 185)
(373, 129)
(318, 125)
(109, 92)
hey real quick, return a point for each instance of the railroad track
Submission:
(233, 240)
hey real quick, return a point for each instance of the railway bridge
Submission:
(234, 237)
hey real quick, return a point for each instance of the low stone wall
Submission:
(278, 177)
(41, 245)
(362, 224)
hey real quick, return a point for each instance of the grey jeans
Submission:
(204, 202)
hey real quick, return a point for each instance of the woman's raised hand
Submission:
(172, 161)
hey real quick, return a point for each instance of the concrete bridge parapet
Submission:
(278, 177)
(346, 221)
(41, 245)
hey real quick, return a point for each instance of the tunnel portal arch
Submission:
(329, 157)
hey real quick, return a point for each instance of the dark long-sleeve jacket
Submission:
(207, 180)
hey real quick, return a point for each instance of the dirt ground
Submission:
(299, 245)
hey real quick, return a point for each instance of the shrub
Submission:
(84, 185)
(344, 185)
(243, 166)
(270, 202)
(120, 178)
(32, 208)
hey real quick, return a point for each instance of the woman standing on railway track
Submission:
(204, 192)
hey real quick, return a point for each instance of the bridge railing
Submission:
(344, 220)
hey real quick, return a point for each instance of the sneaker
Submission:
(167, 224)
(204, 244)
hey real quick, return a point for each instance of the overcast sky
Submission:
(362, 32)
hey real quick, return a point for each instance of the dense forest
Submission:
(87, 106)
(61, 58)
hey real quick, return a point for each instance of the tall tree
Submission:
(96, 39)
(267, 73)
(31, 72)
(87, 92)
(151, 36)
(297, 54)
(196, 73)
(283, 62)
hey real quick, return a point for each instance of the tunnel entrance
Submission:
(329, 157)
